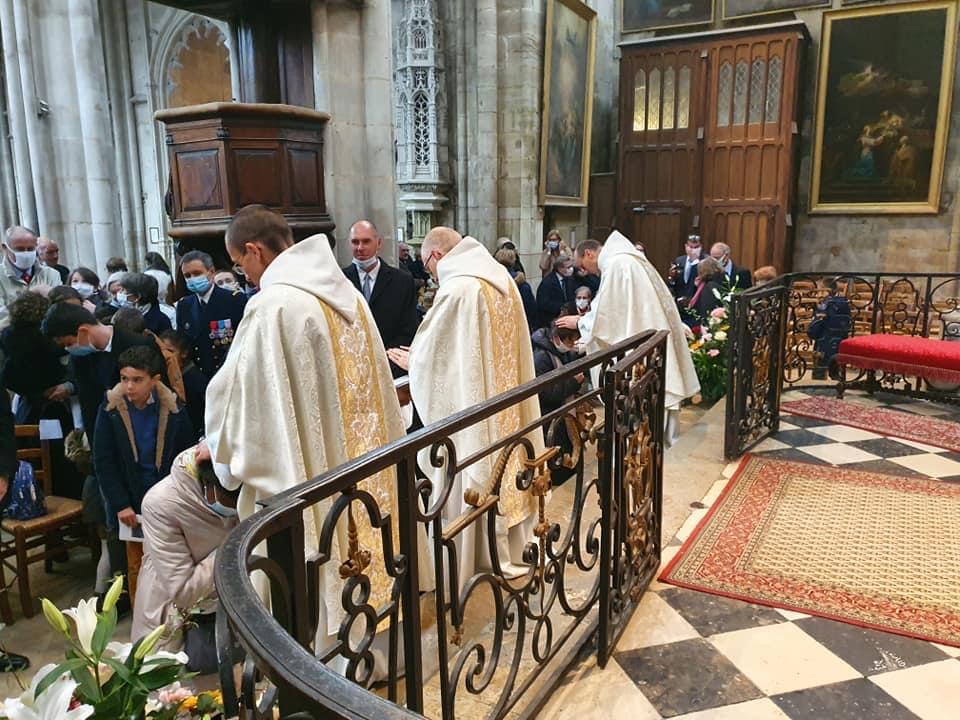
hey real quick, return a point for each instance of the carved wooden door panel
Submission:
(749, 147)
(659, 164)
(707, 143)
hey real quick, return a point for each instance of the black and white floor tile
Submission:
(695, 656)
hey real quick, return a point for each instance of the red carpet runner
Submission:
(873, 550)
(897, 423)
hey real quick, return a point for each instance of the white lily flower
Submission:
(85, 617)
(121, 651)
(53, 704)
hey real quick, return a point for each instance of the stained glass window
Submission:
(724, 93)
(683, 98)
(640, 101)
(740, 94)
(669, 91)
(653, 104)
(758, 70)
(774, 82)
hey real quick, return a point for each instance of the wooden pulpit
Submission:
(224, 156)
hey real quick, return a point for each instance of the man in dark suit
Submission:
(683, 271)
(94, 349)
(388, 290)
(556, 290)
(49, 253)
(738, 277)
(209, 315)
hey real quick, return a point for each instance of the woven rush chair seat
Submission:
(42, 538)
(59, 511)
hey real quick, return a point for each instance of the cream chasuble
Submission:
(307, 387)
(633, 298)
(472, 345)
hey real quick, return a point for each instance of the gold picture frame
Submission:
(882, 116)
(770, 7)
(701, 12)
(567, 120)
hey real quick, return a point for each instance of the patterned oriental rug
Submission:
(919, 428)
(874, 550)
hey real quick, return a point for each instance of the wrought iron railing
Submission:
(770, 350)
(501, 643)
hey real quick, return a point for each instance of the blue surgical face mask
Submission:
(366, 265)
(222, 510)
(81, 350)
(198, 285)
(121, 299)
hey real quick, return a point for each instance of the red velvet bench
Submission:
(936, 360)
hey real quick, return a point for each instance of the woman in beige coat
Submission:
(182, 527)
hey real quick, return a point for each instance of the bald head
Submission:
(437, 243)
(720, 252)
(48, 251)
(442, 239)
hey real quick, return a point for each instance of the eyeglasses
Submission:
(237, 269)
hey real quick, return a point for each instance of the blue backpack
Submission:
(26, 499)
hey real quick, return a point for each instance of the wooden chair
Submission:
(53, 534)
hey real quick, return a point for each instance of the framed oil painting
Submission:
(568, 71)
(746, 8)
(643, 15)
(883, 108)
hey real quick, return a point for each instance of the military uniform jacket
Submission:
(211, 326)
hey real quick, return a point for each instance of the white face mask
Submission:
(366, 265)
(582, 303)
(567, 272)
(227, 285)
(85, 289)
(24, 259)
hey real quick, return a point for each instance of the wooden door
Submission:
(707, 143)
(659, 164)
(749, 147)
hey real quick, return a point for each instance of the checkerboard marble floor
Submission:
(697, 656)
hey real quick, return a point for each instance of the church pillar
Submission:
(20, 103)
(8, 184)
(125, 150)
(95, 124)
(484, 163)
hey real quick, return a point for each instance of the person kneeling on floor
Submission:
(186, 517)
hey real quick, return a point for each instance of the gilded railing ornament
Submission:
(357, 560)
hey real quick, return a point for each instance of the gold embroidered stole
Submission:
(506, 315)
(364, 429)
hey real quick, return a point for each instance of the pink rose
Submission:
(713, 353)
(719, 313)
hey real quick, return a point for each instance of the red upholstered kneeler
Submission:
(936, 360)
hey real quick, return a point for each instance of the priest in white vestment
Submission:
(633, 298)
(474, 344)
(305, 388)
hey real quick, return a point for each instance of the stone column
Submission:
(90, 77)
(19, 104)
(484, 165)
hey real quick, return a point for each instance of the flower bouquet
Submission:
(708, 348)
(108, 680)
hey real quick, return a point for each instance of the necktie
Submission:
(367, 287)
(27, 276)
(686, 272)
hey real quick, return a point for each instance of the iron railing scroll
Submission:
(769, 356)
(487, 645)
